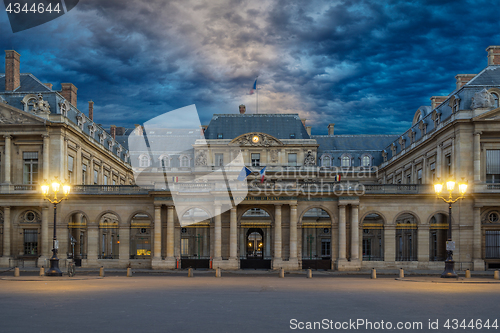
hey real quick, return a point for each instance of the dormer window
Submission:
(102, 137)
(292, 136)
(495, 100)
(143, 161)
(345, 161)
(326, 161)
(81, 119)
(92, 129)
(456, 105)
(219, 136)
(366, 161)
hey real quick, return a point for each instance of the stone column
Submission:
(45, 156)
(157, 234)
(7, 162)
(355, 232)
(477, 241)
(243, 243)
(267, 251)
(477, 157)
(390, 243)
(92, 244)
(233, 235)
(218, 234)
(424, 170)
(277, 232)
(423, 243)
(206, 242)
(342, 232)
(90, 177)
(45, 232)
(293, 232)
(6, 232)
(124, 246)
(170, 233)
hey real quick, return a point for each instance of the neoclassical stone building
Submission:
(341, 202)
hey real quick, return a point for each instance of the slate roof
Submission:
(278, 125)
(490, 76)
(353, 142)
(29, 83)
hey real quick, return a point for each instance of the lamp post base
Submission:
(54, 267)
(449, 269)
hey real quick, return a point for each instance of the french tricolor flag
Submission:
(254, 87)
(262, 174)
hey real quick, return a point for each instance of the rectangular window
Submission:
(292, 159)
(325, 247)
(408, 178)
(30, 174)
(255, 159)
(493, 165)
(219, 159)
(492, 244)
(292, 136)
(105, 180)
(84, 174)
(114, 181)
(219, 136)
(448, 164)
(433, 172)
(419, 176)
(70, 168)
(31, 241)
(184, 247)
(96, 175)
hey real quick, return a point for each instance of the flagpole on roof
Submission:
(257, 95)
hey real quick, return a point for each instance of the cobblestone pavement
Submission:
(249, 302)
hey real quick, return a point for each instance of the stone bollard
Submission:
(217, 272)
(16, 272)
(129, 272)
(190, 272)
(467, 273)
(101, 271)
(374, 273)
(496, 276)
(401, 273)
(309, 273)
(42, 271)
(282, 273)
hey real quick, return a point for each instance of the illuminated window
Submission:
(345, 161)
(30, 174)
(365, 161)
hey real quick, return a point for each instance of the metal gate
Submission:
(255, 264)
(195, 263)
(317, 264)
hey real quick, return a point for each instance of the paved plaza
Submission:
(241, 303)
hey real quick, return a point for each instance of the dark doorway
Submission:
(255, 251)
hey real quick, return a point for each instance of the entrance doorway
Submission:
(255, 248)
(255, 244)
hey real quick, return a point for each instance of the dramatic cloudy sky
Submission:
(364, 65)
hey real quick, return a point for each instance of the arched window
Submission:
(185, 161)
(345, 161)
(165, 161)
(406, 237)
(316, 241)
(140, 236)
(373, 237)
(365, 161)
(437, 237)
(108, 237)
(144, 161)
(456, 104)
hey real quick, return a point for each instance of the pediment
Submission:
(490, 115)
(12, 116)
(256, 139)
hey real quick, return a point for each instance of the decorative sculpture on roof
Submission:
(256, 139)
(41, 106)
(201, 158)
(482, 99)
(309, 160)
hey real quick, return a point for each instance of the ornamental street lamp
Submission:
(449, 264)
(52, 198)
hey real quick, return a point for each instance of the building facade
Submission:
(343, 202)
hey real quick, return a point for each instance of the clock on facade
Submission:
(255, 139)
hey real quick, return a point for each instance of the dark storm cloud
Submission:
(364, 65)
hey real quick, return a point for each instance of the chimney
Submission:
(12, 70)
(49, 85)
(437, 100)
(91, 110)
(112, 131)
(243, 109)
(120, 130)
(69, 92)
(138, 129)
(462, 79)
(308, 129)
(493, 55)
(330, 129)
(303, 120)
